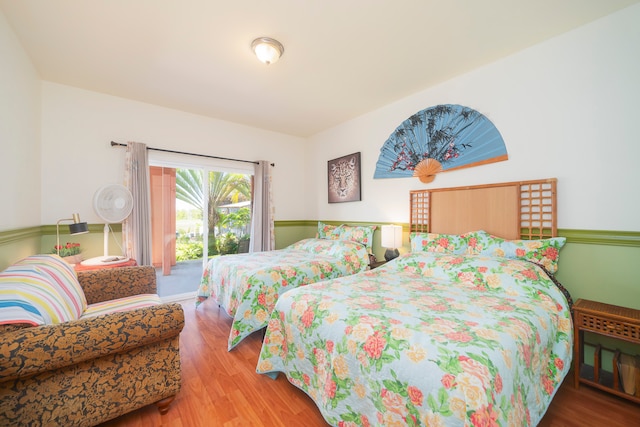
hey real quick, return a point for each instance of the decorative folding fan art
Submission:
(437, 139)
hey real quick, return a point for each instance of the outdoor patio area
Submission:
(183, 281)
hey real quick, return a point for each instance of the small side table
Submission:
(607, 320)
(128, 263)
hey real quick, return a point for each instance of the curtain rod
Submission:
(113, 144)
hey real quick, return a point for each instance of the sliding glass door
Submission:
(198, 211)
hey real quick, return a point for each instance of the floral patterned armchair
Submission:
(120, 353)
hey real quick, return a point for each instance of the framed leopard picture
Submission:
(344, 178)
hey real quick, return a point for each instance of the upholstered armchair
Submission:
(120, 354)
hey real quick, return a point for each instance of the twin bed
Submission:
(247, 286)
(465, 329)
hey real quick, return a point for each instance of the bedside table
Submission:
(607, 320)
(376, 264)
(127, 263)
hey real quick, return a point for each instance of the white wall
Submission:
(77, 158)
(566, 108)
(19, 134)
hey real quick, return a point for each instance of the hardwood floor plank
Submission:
(221, 388)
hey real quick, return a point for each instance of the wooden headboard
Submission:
(512, 210)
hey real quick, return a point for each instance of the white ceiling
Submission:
(343, 58)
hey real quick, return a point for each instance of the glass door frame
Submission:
(204, 165)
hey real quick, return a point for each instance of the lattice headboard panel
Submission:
(512, 210)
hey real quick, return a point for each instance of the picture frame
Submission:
(343, 179)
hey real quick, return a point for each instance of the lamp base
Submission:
(390, 254)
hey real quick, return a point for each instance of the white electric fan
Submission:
(113, 204)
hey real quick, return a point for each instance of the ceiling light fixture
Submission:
(267, 50)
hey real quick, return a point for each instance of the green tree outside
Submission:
(224, 188)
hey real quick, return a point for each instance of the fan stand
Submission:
(106, 259)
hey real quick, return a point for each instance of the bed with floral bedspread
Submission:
(429, 339)
(247, 286)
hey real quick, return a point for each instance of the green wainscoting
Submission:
(288, 232)
(605, 273)
(17, 244)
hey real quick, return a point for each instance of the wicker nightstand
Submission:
(608, 320)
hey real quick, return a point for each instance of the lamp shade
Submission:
(78, 228)
(391, 236)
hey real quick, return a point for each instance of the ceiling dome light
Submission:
(267, 50)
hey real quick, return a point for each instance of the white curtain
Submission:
(262, 228)
(136, 229)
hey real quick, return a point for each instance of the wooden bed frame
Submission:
(512, 210)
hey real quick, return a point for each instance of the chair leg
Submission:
(163, 405)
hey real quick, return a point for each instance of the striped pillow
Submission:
(27, 297)
(62, 276)
(15, 308)
(121, 304)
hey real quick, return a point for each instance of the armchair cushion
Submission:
(113, 283)
(121, 304)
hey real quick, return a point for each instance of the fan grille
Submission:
(113, 203)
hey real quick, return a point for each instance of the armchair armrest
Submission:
(112, 283)
(29, 351)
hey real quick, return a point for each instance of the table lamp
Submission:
(391, 238)
(76, 227)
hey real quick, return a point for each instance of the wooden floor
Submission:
(221, 388)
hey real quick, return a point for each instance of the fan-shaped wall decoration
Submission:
(453, 135)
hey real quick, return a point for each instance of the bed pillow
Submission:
(325, 231)
(361, 233)
(545, 252)
(439, 243)
(477, 241)
(312, 245)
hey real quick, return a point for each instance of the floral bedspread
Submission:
(247, 286)
(425, 340)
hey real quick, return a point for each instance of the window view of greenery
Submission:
(228, 215)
